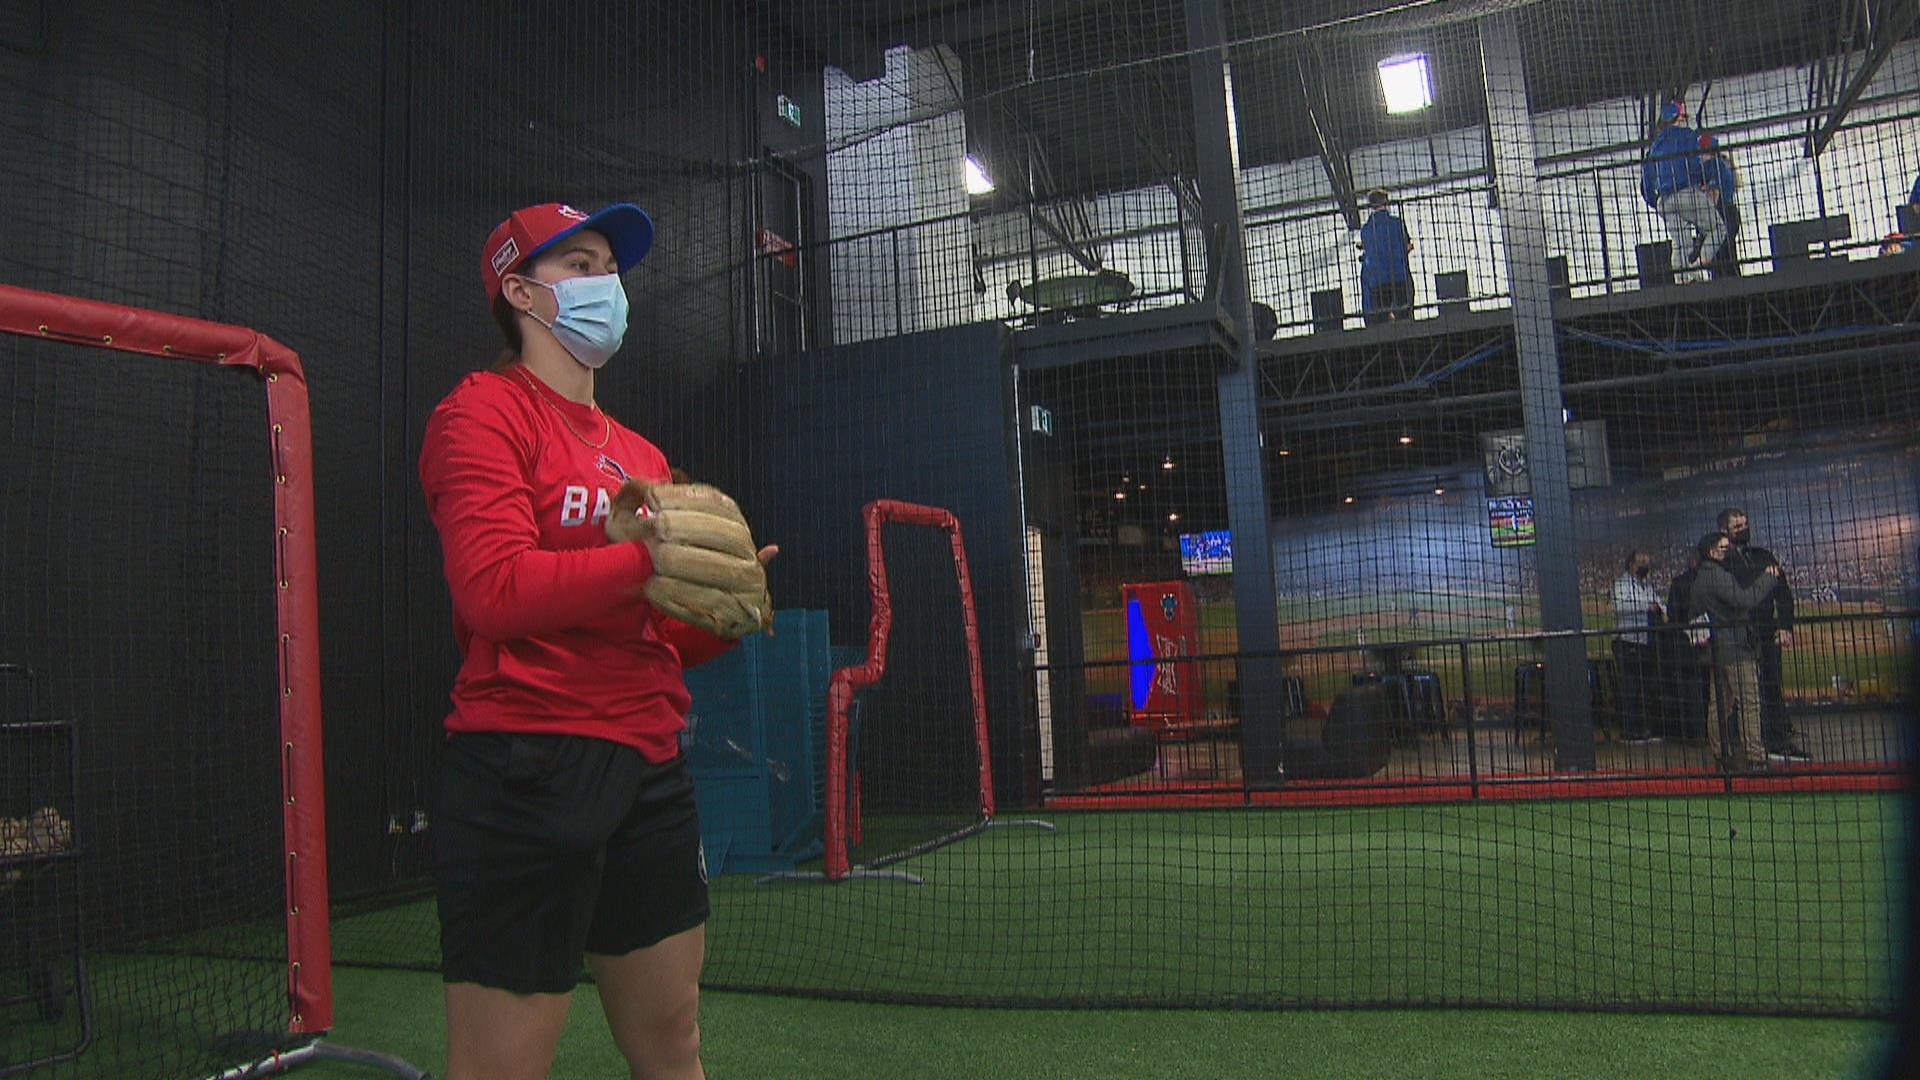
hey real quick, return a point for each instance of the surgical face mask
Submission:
(591, 319)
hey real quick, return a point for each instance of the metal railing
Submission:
(1470, 717)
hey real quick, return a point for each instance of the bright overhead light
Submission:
(1173, 517)
(978, 182)
(1168, 463)
(1406, 439)
(1119, 496)
(1348, 500)
(1406, 83)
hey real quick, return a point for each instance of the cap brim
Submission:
(628, 229)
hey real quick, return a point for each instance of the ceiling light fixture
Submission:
(978, 182)
(1406, 82)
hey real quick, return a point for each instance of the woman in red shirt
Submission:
(566, 825)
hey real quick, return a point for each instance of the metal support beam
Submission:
(1493, 179)
(1244, 458)
(1040, 186)
(1073, 247)
(1883, 34)
(1510, 121)
(1326, 141)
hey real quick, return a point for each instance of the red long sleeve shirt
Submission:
(554, 635)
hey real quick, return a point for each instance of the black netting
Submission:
(1304, 439)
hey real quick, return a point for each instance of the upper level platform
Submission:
(1813, 307)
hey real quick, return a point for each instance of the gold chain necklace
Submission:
(528, 379)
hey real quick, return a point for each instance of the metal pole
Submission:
(1242, 449)
(899, 313)
(1510, 123)
(1466, 706)
(1600, 220)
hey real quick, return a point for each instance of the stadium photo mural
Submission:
(1838, 506)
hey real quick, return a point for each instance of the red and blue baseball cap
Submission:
(528, 232)
(1673, 112)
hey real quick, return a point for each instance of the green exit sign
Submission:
(788, 110)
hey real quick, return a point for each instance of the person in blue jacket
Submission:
(1673, 182)
(1898, 242)
(1723, 184)
(1386, 278)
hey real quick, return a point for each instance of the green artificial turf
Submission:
(1772, 903)
(767, 1036)
(1767, 903)
(1763, 903)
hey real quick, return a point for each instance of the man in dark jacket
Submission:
(1683, 671)
(1736, 683)
(1723, 185)
(1772, 630)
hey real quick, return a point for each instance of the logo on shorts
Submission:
(703, 862)
(504, 256)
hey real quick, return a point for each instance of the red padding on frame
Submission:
(848, 681)
(52, 317)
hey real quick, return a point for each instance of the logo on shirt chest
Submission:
(610, 467)
(581, 505)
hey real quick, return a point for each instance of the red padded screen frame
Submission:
(52, 317)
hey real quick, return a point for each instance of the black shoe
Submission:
(1788, 752)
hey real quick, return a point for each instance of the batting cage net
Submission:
(1438, 483)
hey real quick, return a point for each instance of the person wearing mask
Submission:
(1772, 632)
(566, 829)
(1636, 607)
(1736, 685)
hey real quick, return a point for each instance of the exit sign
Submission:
(1042, 420)
(788, 110)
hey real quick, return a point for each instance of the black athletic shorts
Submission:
(550, 846)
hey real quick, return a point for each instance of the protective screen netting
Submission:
(142, 887)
